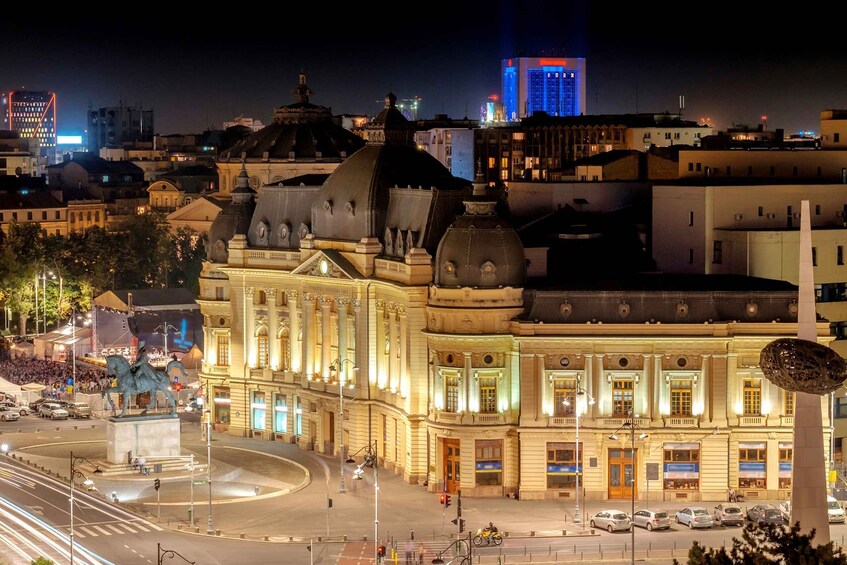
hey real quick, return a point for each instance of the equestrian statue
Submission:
(140, 377)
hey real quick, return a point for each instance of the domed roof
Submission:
(233, 219)
(480, 250)
(304, 129)
(353, 202)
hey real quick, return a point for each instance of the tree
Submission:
(768, 544)
(42, 561)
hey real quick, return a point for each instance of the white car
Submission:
(833, 509)
(8, 415)
(694, 517)
(52, 410)
(611, 520)
(23, 410)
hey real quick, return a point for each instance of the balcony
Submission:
(682, 421)
(786, 421)
(491, 419)
(563, 421)
(752, 421)
(617, 422)
(448, 417)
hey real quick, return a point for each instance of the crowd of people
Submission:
(54, 376)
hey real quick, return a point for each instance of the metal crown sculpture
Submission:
(799, 365)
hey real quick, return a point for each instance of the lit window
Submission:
(752, 397)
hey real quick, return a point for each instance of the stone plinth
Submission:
(143, 436)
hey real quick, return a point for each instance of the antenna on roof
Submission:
(681, 104)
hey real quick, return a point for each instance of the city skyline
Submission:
(730, 69)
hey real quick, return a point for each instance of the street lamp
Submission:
(161, 553)
(337, 367)
(86, 321)
(578, 395)
(86, 482)
(630, 423)
(358, 475)
(208, 415)
(163, 329)
(466, 557)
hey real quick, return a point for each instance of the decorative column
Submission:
(405, 384)
(326, 335)
(590, 385)
(471, 401)
(341, 308)
(273, 329)
(207, 340)
(650, 378)
(294, 332)
(661, 392)
(250, 328)
(703, 387)
(308, 334)
(393, 360)
(361, 355)
(381, 369)
(544, 398)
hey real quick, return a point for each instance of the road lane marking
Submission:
(89, 531)
(115, 529)
(127, 528)
(140, 527)
(103, 531)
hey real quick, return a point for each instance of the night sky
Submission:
(198, 69)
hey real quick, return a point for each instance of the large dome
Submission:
(233, 219)
(354, 201)
(480, 250)
(302, 131)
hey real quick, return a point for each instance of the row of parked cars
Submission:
(699, 517)
(46, 408)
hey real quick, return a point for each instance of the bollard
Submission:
(532, 533)
(242, 535)
(267, 538)
(344, 538)
(217, 532)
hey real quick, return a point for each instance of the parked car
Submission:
(36, 403)
(694, 517)
(785, 510)
(729, 515)
(7, 414)
(764, 514)
(20, 409)
(611, 520)
(78, 410)
(833, 509)
(53, 411)
(652, 519)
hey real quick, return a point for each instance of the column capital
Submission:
(342, 300)
(291, 294)
(357, 304)
(248, 290)
(309, 297)
(401, 310)
(270, 293)
(380, 304)
(326, 301)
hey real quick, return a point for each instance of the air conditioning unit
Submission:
(796, 215)
(739, 217)
(771, 216)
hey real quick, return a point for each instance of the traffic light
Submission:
(446, 501)
(380, 550)
(441, 499)
(459, 522)
(157, 483)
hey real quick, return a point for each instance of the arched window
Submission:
(262, 348)
(284, 350)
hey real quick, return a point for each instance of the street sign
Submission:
(199, 483)
(652, 471)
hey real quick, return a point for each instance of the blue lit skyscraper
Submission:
(549, 84)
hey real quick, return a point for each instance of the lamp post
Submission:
(164, 328)
(86, 482)
(87, 321)
(208, 414)
(575, 394)
(358, 475)
(631, 424)
(161, 553)
(337, 367)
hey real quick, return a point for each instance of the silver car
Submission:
(8, 415)
(22, 410)
(78, 410)
(729, 515)
(694, 517)
(611, 520)
(53, 411)
(652, 520)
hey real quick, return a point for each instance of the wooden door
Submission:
(452, 465)
(621, 473)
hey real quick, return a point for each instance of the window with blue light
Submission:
(258, 409)
(552, 90)
(298, 416)
(510, 93)
(280, 414)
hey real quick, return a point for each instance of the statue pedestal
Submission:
(143, 436)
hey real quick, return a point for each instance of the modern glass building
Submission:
(32, 114)
(552, 85)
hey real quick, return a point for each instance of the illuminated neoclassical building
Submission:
(404, 289)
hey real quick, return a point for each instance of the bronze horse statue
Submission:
(130, 383)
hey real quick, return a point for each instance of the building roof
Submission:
(192, 171)
(642, 120)
(94, 164)
(23, 182)
(149, 298)
(607, 157)
(312, 179)
(32, 199)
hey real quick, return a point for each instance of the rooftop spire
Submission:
(302, 92)
(479, 180)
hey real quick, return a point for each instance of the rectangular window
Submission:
(44, 215)
(749, 170)
(836, 137)
(840, 407)
(298, 416)
(29, 216)
(681, 466)
(223, 350)
(839, 255)
(562, 465)
(817, 209)
(788, 403)
(691, 167)
(752, 465)
(699, 167)
(814, 256)
(489, 462)
(262, 350)
(691, 217)
(451, 386)
(563, 390)
(786, 459)
(667, 135)
(58, 215)
(752, 397)
(622, 396)
(222, 404)
(280, 414)
(219, 293)
(717, 252)
(728, 171)
(690, 256)
(794, 171)
(761, 211)
(488, 395)
(257, 408)
(680, 397)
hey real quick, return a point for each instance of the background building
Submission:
(553, 85)
(112, 126)
(32, 113)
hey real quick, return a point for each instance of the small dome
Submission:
(480, 250)
(233, 219)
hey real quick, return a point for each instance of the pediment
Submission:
(199, 210)
(327, 264)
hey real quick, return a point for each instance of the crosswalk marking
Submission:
(155, 527)
(103, 531)
(127, 528)
(89, 531)
(95, 530)
(78, 535)
(140, 527)
(114, 529)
